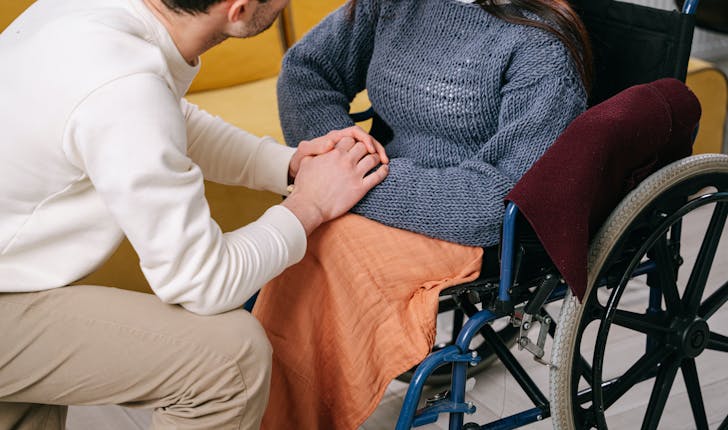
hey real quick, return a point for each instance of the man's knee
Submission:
(253, 359)
(229, 374)
(248, 346)
(246, 337)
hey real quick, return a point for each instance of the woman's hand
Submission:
(330, 184)
(324, 144)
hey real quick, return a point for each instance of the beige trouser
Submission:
(86, 345)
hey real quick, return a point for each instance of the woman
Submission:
(470, 95)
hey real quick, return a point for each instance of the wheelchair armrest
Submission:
(362, 116)
(379, 129)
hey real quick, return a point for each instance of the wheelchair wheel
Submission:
(453, 318)
(616, 355)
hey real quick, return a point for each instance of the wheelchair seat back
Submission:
(634, 44)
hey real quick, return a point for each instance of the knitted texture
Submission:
(473, 102)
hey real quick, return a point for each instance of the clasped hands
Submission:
(332, 173)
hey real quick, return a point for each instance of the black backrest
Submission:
(634, 44)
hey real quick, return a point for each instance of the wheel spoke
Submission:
(724, 424)
(666, 273)
(714, 302)
(585, 395)
(638, 372)
(643, 323)
(585, 369)
(585, 419)
(717, 342)
(595, 313)
(692, 383)
(704, 262)
(660, 393)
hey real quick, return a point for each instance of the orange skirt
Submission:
(357, 311)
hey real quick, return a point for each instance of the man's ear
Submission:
(237, 9)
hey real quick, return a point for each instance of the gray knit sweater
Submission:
(473, 102)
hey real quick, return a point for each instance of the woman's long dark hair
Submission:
(557, 17)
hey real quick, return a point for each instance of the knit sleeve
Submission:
(323, 72)
(464, 203)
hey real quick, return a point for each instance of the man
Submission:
(98, 143)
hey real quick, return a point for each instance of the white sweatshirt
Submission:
(97, 143)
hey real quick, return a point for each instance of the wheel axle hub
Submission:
(693, 336)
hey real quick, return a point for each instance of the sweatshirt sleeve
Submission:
(329, 65)
(130, 138)
(228, 155)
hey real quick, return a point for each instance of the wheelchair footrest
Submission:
(429, 414)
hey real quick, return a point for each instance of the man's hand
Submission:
(330, 184)
(324, 144)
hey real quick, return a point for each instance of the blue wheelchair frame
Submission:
(460, 356)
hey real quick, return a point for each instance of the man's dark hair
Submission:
(193, 6)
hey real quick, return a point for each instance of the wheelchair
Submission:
(639, 282)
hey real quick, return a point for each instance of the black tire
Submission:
(585, 382)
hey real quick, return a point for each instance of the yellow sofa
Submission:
(237, 82)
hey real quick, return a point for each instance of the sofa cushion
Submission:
(251, 106)
(710, 85)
